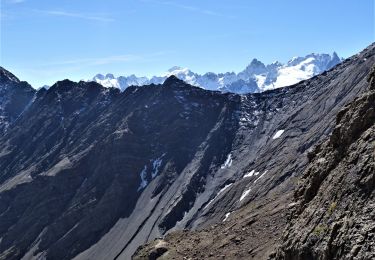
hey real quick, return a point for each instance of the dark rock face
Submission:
(92, 173)
(81, 156)
(334, 217)
(15, 97)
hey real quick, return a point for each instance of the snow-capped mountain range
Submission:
(256, 77)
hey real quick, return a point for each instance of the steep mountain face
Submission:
(83, 159)
(88, 172)
(244, 217)
(256, 77)
(334, 215)
(15, 97)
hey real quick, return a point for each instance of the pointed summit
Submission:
(63, 85)
(172, 80)
(256, 62)
(335, 59)
(254, 68)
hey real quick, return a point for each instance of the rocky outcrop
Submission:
(334, 215)
(247, 233)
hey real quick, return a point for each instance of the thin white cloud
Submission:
(188, 8)
(85, 16)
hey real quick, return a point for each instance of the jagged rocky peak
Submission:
(173, 81)
(63, 84)
(335, 59)
(67, 85)
(256, 67)
(99, 77)
(110, 76)
(256, 77)
(274, 64)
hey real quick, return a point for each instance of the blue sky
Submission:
(43, 41)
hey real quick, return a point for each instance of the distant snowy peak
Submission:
(256, 77)
(297, 69)
(121, 82)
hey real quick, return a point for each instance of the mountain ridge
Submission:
(256, 77)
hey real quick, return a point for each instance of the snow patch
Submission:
(143, 176)
(218, 194)
(261, 176)
(245, 193)
(226, 216)
(278, 134)
(224, 188)
(156, 165)
(228, 162)
(249, 174)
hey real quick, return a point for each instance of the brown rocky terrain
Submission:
(251, 233)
